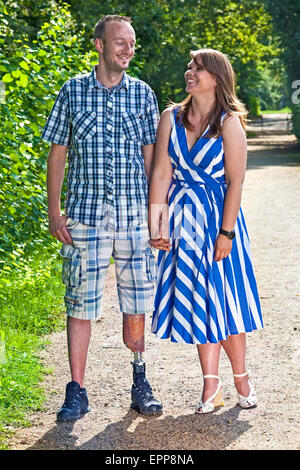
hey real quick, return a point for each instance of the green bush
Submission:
(33, 74)
(168, 29)
(254, 106)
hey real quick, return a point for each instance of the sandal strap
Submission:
(208, 405)
(241, 375)
(212, 397)
(251, 392)
(251, 400)
(210, 377)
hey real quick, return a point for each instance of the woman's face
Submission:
(198, 79)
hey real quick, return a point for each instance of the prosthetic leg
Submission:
(142, 397)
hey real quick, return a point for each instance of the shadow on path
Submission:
(280, 159)
(136, 432)
(268, 124)
(273, 151)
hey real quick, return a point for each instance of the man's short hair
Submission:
(100, 26)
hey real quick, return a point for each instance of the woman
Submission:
(206, 291)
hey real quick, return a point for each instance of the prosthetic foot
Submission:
(142, 397)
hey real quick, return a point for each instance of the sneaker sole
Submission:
(145, 412)
(61, 420)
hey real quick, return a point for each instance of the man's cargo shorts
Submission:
(85, 265)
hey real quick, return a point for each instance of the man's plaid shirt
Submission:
(105, 131)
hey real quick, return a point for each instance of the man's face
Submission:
(118, 45)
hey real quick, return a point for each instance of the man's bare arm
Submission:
(148, 152)
(55, 176)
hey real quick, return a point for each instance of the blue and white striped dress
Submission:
(199, 300)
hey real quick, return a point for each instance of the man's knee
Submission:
(78, 321)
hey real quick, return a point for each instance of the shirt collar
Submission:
(94, 83)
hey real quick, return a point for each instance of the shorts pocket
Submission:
(151, 269)
(72, 300)
(71, 269)
(71, 224)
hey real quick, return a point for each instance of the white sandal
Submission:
(213, 401)
(251, 400)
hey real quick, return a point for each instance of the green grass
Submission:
(274, 111)
(31, 306)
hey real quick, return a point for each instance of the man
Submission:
(107, 122)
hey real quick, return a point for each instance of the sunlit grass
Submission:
(278, 111)
(31, 305)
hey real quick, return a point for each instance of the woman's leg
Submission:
(235, 348)
(209, 355)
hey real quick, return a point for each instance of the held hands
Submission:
(159, 227)
(159, 233)
(161, 241)
(58, 228)
(223, 247)
(161, 244)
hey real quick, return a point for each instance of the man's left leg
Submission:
(142, 397)
(136, 274)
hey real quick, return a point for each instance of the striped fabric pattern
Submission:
(105, 131)
(199, 300)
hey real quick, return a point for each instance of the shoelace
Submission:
(144, 390)
(72, 398)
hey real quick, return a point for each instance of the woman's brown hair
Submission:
(216, 63)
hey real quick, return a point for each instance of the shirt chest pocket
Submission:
(132, 126)
(84, 124)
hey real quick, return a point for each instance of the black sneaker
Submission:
(76, 403)
(142, 397)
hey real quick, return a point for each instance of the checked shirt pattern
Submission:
(105, 131)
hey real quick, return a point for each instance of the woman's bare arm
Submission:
(235, 150)
(159, 185)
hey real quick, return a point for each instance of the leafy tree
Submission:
(45, 42)
(24, 18)
(286, 20)
(168, 29)
(32, 73)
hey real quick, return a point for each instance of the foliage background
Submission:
(286, 21)
(43, 43)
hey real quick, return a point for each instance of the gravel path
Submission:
(271, 206)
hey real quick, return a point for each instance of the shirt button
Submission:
(109, 104)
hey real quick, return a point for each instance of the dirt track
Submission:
(272, 210)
